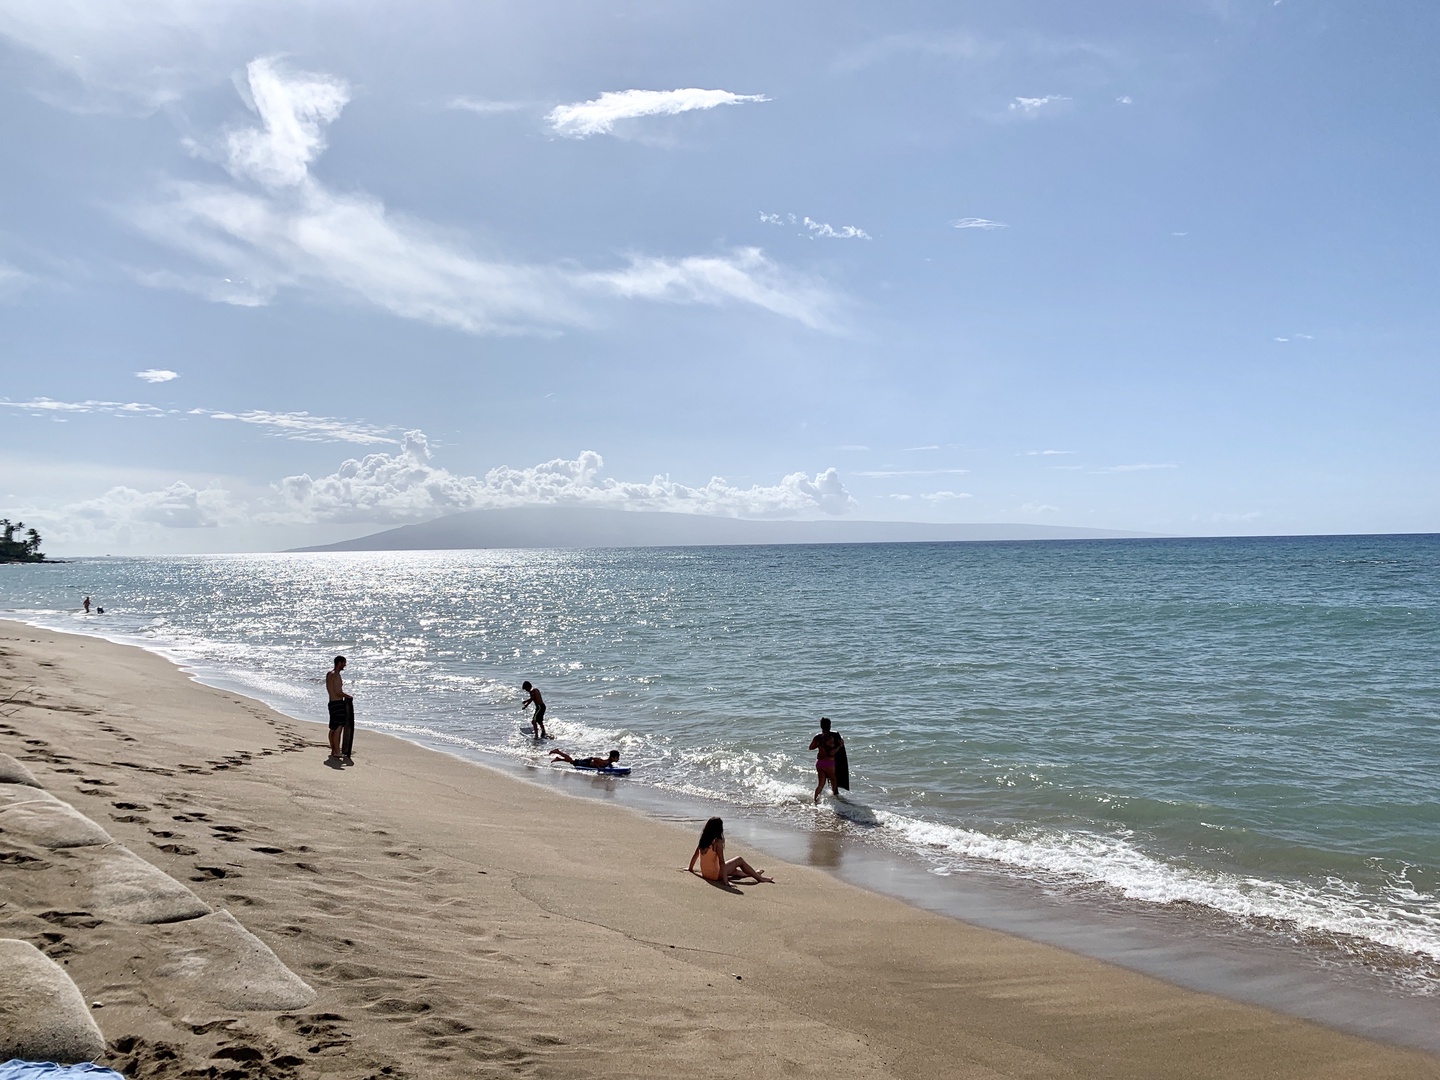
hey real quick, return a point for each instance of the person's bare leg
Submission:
(738, 867)
(819, 789)
(334, 742)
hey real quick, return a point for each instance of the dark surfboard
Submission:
(842, 769)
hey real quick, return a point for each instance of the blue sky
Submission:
(278, 273)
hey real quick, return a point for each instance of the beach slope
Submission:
(420, 916)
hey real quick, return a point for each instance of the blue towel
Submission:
(15, 1069)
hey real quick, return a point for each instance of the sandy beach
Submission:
(453, 921)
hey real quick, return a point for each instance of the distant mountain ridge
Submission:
(594, 527)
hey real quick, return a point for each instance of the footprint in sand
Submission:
(212, 873)
(174, 849)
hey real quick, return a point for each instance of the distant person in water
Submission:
(826, 745)
(711, 854)
(342, 714)
(537, 722)
(86, 605)
(587, 762)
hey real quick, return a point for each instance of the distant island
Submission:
(593, 527)
(26, 549)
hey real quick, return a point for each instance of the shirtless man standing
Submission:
(342, 713)
(537, 722)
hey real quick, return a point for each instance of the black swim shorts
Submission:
(337, 714)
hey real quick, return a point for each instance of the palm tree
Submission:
(32, 544)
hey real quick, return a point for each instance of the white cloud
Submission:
(178, 506)
(817, 229)
(157, 375)
(946, 496)
(293, 108)
(483, 106)
(977, 223)
(1030, 106)
(294, 233)
(600, 115)
(1125, 99)
(302, 427)
(405, 486)
(45, 406)
(845, 232)
(746, 274)
(1039, 508)
(1047, 453)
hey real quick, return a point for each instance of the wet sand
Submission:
(455, 922)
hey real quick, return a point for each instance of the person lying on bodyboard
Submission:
(588, 762)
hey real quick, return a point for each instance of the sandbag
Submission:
(125, 886)
(33, 814)
(215, 959)
(12, 772)
(43, 1017)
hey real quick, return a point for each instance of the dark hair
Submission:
(340, 660)
(525, 685)
(714, 830)
(614, 755)
(824, 723)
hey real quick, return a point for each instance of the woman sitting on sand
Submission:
(587, 762)
(711, 853)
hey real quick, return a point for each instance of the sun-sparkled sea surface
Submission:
(1250, 727)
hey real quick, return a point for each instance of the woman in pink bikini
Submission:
(826, 745)
(711, 854)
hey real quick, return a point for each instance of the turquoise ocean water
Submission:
(1245, 728)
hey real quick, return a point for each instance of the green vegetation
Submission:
(24, 549)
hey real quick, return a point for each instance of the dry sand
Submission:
(456, 922)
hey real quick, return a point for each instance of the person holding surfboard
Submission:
(588, 762)
(711, 854)
(830, 757)
(537, 722)
(342, 713)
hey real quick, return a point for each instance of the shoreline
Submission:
(1203, 951)
(450, 916)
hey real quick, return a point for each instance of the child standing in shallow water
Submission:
(711, 853)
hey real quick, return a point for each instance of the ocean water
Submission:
(1248, 729)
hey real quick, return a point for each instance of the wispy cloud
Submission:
(600, 115)
(1124, 99)
(1133, 468)
(157, 375)
(302, 427)
(1047, 453)
(1031, 106)
(946, 496)
(484, 106)
(1039, 508)
(815, 228)
(286, 230)
(977, 223)
(13, 279)
(745, 274)
(890, 473)
(46, 406)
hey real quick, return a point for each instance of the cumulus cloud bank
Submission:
(600, 115)
(278, 227)
(405, 486)
(391, 488)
